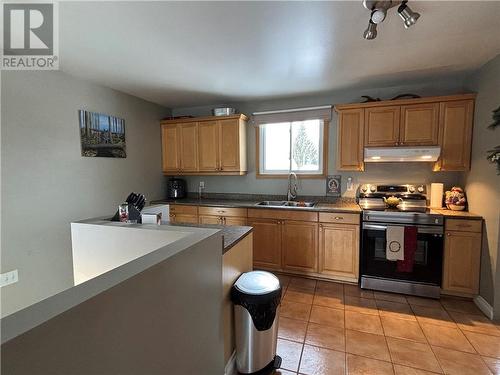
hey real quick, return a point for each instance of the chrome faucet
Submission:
(292, 188)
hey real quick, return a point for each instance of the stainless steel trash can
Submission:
(256, 296)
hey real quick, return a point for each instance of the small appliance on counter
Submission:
(176, 188)
(401, 241)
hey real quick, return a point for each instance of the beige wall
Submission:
(483, 182)
(46, 183)
(165, 320)
(382, 173)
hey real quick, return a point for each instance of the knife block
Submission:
(133, 214)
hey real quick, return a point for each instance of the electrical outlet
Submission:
(349, 184)
(202, 184)
(8, 278)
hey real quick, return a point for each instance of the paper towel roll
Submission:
(437, 195)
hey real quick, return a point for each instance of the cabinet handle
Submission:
(221, 211)
(224, 220)
(339, 218)
(402, 143)
(448, 234)
(397, 143)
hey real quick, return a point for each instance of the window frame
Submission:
(323, 154)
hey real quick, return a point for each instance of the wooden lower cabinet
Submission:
(266, 243)
(210, 220)
(462, 257)
(300, 244)
(183, 219)
(339, 250)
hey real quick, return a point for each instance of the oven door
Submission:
(428, 256)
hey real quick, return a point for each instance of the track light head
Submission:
(409, 17)
(378, 15)
(371, 31)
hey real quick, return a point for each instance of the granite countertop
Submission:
(231, 234)
(336, 206)
(456, 214)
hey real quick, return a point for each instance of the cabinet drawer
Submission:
(281, 214)
(182, 209)
(339, 218)
(464, 225)
(223, 211)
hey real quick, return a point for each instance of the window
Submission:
(295, 146)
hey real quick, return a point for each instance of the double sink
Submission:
(293, 204)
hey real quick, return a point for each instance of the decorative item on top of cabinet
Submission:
(214, 145)
(462, 256)
(494, 155)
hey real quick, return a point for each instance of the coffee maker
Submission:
(176, 188)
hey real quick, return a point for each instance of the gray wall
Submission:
(165, 320)
(482, 181)
(46, 183)
(397, 173)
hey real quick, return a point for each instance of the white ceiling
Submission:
(196, 53)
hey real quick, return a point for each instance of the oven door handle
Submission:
(420, 229)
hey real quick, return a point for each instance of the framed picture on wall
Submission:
(333, 185)
(102, 135)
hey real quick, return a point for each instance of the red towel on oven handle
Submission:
(406, 265)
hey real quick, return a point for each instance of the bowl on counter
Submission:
(223, 111)
(455, 207)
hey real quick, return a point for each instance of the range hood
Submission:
(401, 154)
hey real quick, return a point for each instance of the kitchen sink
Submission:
(296, 204)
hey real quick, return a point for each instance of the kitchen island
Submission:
(131, 307)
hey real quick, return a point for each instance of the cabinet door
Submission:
(183, 219)
(455, 135)
(238, 221)
(188, 134)
(462, 256)
(300, 246)
(419, 124)
(266, 243)
(229, 145)
(350, 140)
(382, 126)
(339, 250)
(169, 146)
(210, 220)
(208, 146)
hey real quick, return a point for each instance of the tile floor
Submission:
(331, 328)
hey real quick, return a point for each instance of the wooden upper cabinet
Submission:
(382, 126)
(208, 146)
(350, 140)
(188, 156)
(455, 135)
(419, 125)
(300, 241)
(339, 250)
(170, 150)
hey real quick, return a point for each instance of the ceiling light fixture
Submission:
(378, 14)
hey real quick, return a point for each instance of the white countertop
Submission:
(157, 243)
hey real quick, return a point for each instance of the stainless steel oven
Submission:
(381, 274)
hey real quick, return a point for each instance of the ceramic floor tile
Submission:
(363, 322)
(300, 296)
(295, 310)
(393, 297)
(447, 337)
(413, 354)
(404, 370)
(289, 352)
(367, 345)
(486, 345)
(329, 299)
(292, 329)
(329, 286)
(362, 305)
(300, 283)
(420, 301)
(357, 365)
(433, 316)
(320, 361)
(475, 323)
(458, 363)
(493, 364)
(326, 337)
(327, 316)
(403, 329)
(460, 305)
(356, 291)
(284, 280)
(395, 310)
